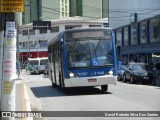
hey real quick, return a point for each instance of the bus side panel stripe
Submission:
(66, 75)
(115, 56)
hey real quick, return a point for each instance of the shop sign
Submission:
(7, 87)
(12, 6)
(43, 43)
(10, 39)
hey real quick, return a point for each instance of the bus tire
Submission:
(104, 88)
(53, 84)
(60, 81)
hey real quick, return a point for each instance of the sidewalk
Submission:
(24, 98)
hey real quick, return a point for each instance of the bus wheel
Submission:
(104, 88)
(53, 85)
(60, 81)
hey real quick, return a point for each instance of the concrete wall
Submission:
(121, 12)
(55, 9)
(105, 8)
(26, 14)
(92, 8)
(53, 12)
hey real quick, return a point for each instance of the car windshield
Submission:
(141, 67)
(122, 67)
(90, 52)
(33, 62)
(43, 61)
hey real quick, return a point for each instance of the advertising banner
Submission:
(12, 6)
(10, 39)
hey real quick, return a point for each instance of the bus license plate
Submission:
(92, 80)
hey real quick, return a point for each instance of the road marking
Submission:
(23, 100)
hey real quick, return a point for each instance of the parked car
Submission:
(121, 69)
(138, 72)
(34, 70)
(37, 65)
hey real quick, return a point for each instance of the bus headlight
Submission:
(110, 72)
(71, 75)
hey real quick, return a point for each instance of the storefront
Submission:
(24, 56)
(140, 41)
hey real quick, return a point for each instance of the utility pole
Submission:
(8, 10)
(9, 63)
(1, 51)
(17, 42)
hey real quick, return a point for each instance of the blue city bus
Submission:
(83, 57)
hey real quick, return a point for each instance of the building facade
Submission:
(55, 9)
(137, 27)
(139, 41)
(49, 9)
(89, 8)
(33, 43)
(124, 12)
(32, 11)
(44, 10)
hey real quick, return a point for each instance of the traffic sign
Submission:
(12, 6)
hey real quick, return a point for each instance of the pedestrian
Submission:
(158, 65)
(158, 71)
(154, 74)
(16, 68)
(21, 66)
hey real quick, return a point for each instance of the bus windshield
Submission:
(89, 52)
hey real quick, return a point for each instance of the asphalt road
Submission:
(120, 97)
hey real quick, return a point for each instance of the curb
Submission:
(35, 103)
(32, 102)
(22, 98)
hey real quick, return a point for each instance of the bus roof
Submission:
(88, 28)
(78, 29)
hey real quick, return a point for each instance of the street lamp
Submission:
(37, 49)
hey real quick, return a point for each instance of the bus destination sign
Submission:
(12, 6)
(87, 34)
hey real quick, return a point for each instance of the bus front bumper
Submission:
(90, 81)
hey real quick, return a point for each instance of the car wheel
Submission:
(144, 82)
(124, 79)
(104, 88)
(131, 80)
